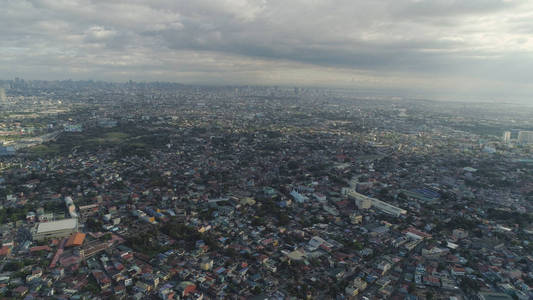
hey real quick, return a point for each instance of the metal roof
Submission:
(57, 225)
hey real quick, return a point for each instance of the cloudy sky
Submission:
(433, 48)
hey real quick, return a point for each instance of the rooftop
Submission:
(76, 239)
(57, 225)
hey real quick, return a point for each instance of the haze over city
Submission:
(266, 149)
(441, 49)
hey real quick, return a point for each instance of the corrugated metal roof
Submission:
(76, 239)
(57, 225)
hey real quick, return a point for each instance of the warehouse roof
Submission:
(57, 225)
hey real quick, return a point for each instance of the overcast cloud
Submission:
(430, 48)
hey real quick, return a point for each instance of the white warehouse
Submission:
(365, 202)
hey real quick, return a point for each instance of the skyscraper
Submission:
(507, 137)
(2, 95)
(525, 137)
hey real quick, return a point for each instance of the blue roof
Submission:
(427, 193)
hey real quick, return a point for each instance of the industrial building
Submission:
(55, 229)
(426, 194)
(493, 296)
(365, 202)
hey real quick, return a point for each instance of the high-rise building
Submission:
(507, 137)
(525, 137)
(2, 95)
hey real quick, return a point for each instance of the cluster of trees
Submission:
(469, 285)
(93, 224)
(133, 149)
(147, 243)
(318, 170)
(94, 138)
(523, 219)
(12, 214)
(92, 286)
(457, 222)
(352, 245)
(269, 208)
(206, 214)
(179, 231)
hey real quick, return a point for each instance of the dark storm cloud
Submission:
(391, 43)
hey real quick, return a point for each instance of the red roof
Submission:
(343, 203)
(4, 251)
(417, 232)
(127, 256)
(70, 260)
(76, 239)
(189, 289)
(40, 248)
(20, 290)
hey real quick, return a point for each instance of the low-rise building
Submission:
(55, 229)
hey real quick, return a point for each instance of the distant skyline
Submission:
(438, 49)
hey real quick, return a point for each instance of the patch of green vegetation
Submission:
(12, 214)
(45, 150)
(524, 220)
(147, 243)
(91, 286)
(131, 149)
(179, 231)
(128, 141)
(115, 137)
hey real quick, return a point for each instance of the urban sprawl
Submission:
(167, 191)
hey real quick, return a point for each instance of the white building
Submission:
(299, 198)
(384, 266)
(71, 207)
(55, 229)
(525, 137)
(72, 128)
(507, 137)
(365, 202)
(315, 243)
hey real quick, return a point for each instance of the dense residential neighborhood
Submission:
(164, 191)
